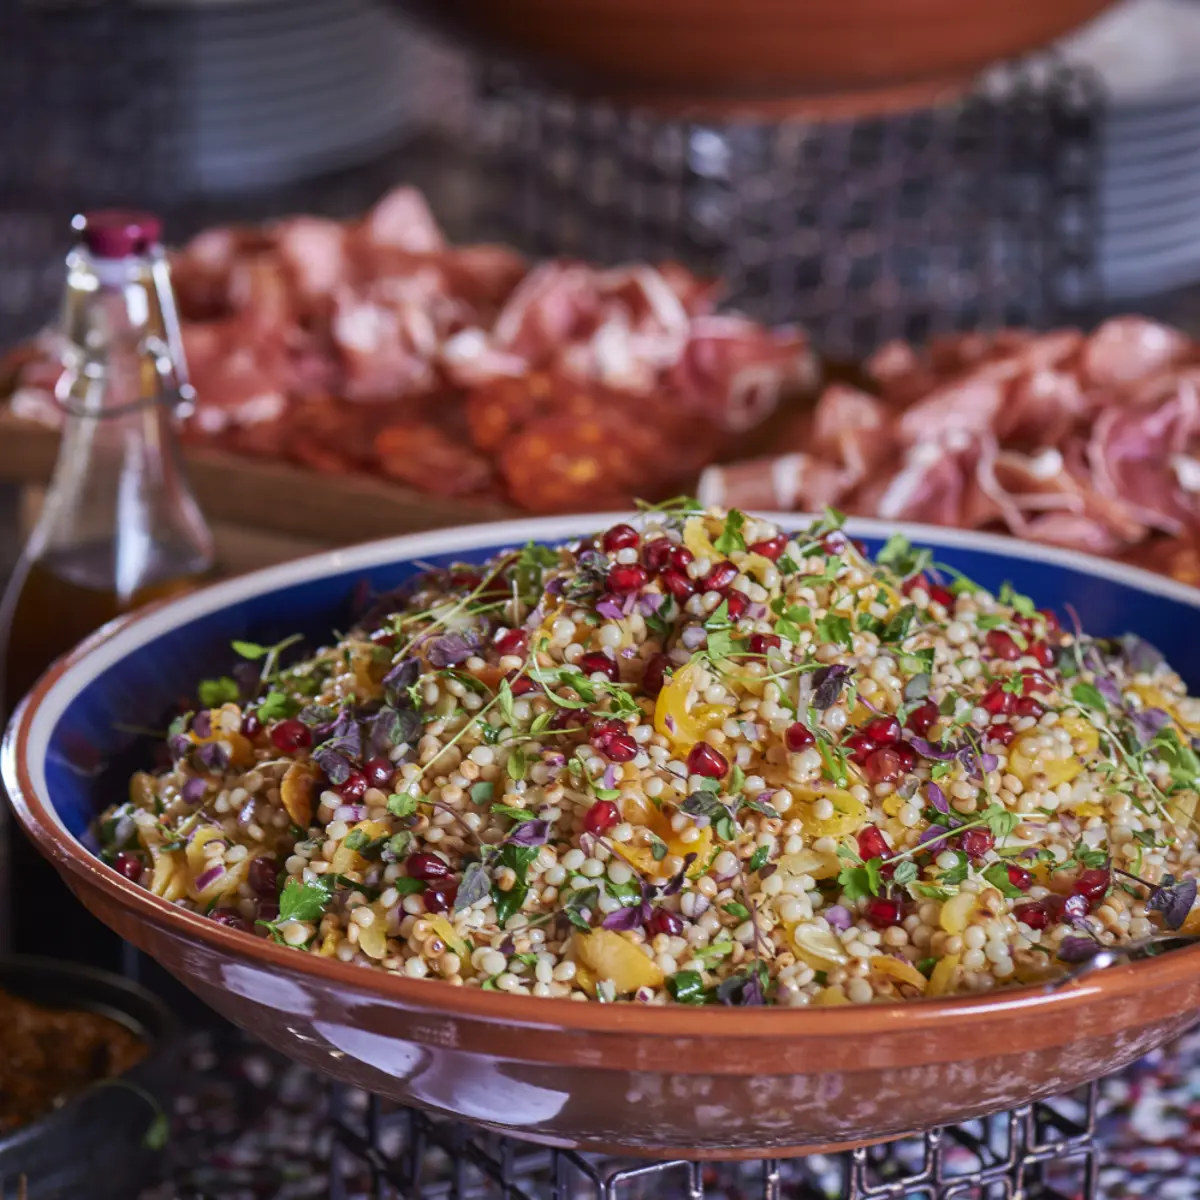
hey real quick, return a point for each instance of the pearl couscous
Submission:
(702, 760)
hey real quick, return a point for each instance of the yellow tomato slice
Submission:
(607, 955)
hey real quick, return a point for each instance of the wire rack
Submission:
(1043, 1152)
(977, 213)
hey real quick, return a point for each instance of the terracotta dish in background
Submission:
(706, 1082)
(812, 56)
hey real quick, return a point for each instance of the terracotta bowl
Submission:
(717, 54)
(679, 1081)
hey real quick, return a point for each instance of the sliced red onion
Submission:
(839, 917)
(627, 652)
(628, 603)
(643, 995)
(247, 813)
(670, 723)
(210, 876)
(608, 606)
(624, 918)
(202, 723)
(350, 812)
(552, 758)
(756, 611)
(694, 636)
(679, 655)
(937, 797)
(610, 776)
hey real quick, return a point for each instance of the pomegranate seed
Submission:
(657, 553)
(760, 643)
(677, 584)
(1033, 681)
(976, 843)
(440, 897)
(798, 737)
(620, 537)
(354, 788)
(251, 726)
(1092, 885)
(1027, 706)
(512, 641)
(263, 877)
(872, 843)
(835, 542)
(379, 772)
(625, 578)
(601, 817)
(520, 685)
(882, 913)
(719, 578)
(682, 558)
(1001, 645)
(468, 580)
(602, 732)
(267, 910)
(1067, 908)
(772, 548)
(1051, 618)
(662, 921)
(921, 720)
(942, 596)
(884, 765)
(383, 637)
(916, 581)
(223, 916)
(737, 602)
(997, 701)
(1033, 914)
(884, 731)
(859, 747)
(621, 747)
(908, 757)
(596, 662)
(702, 759)
(1003, 734)
(290, 735)
(652, 676)
(423, 865)
(1043, 652)
(128, 864)
(1020, 878)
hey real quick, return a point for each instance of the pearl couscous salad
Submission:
(694, 759)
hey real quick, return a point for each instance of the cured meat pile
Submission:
(374, 346)
(1086, 441)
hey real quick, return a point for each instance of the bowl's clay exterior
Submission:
(677, 1081)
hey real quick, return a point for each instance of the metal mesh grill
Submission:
(1044, 1152)
(975, 214)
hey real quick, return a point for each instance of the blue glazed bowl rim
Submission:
(27, 740)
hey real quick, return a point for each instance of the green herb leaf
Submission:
(516, 814)
(356, 839)
(251, 650)
(215, 692)
(505, 700)
(658, 848)
(896, 630)
(687, 987)
(482, 791)
(516, 765)
(758, 859)
(786, 565)
(304, 901)
(997, 876)
(905, 872)
(859, 882)
(734, 909)
(835, 628)
(1087, 695)
(927, 891)
(730, 538)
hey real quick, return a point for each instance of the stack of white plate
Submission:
(1147, 54)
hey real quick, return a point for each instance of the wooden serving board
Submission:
(269, 496)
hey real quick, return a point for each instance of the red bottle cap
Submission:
(118, 234)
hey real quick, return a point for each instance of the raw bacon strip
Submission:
(852, 428)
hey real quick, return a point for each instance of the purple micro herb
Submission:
(450, 649)
(937, 798)
(624, 918)
(1148, 723)
(213, 756)
(608, 606)
(193, 790)
(827, 685)
(336, 766)
(1174, 900)
(202, 724)
(926, 749)
(1078, 949)
(530, 833)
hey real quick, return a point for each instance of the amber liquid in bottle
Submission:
(119, 527)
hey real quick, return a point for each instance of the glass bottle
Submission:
(119, 525)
